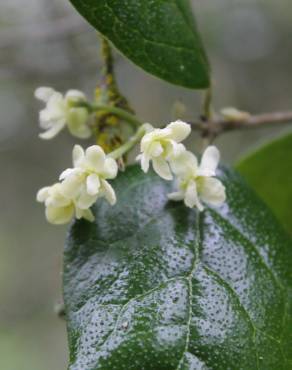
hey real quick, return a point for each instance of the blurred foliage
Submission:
(48, 43)
(268, 170)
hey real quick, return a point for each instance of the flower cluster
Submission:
(61, 111)
(80, 186)
(169, 157)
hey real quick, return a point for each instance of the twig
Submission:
(108, 76)
(265, 118)
(213, 128)
(111, 107)
(107, 90)
(207, 104)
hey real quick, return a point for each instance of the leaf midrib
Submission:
(190, 296)
(160, 43)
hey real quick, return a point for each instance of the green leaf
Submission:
(154, 285)
(159, 36)
(269, 171)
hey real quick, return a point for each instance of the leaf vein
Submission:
(188, 50)
(264, 264)
(143, 295)
(190, 296)
(240, 305)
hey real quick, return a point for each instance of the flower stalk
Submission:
(119, 112)
(129, 145)
(108, 124)
(110, 109)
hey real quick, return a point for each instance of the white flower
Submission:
(81, 186)
(87, 180)
(197, 182)
(161, 145)
(60, 111)
(60, 208)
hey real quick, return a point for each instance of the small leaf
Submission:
(269, 171)
(159, 36)
(154, 285)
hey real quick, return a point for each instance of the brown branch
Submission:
(269, 118)
(213, 128)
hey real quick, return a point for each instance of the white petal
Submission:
(45, 118)
(68, 172)
(155, 149)
(77, 155)
(146, 142)
(179, 130)
(84, 213)
(85, 200)
(53, 131)
(191, 196)
(75, 95)
(44, 93)
(184, 165)
(72, 186)
(59, 216)
(212, 191)
(110, 169)
(209, 162)
(92, 184)
(88, 215)
(77, 123)
(43, 194)
(56, 105)
(95, 158)
(176, 196)
(154, 136)
(46, 121)
(78, 212)
(109, 192)
(161, 167)
(57, 199)
(173, 149)
(144, 162)
(52, 116)
(147, 127)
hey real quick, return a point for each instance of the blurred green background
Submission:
(47, 43)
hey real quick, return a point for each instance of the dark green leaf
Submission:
(154, 285)
(159, 36)
(269, 171)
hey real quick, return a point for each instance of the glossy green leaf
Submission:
(154, 285)
(269, 171)
(159, 36)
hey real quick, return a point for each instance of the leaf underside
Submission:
(159, 36)
(154, 285)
